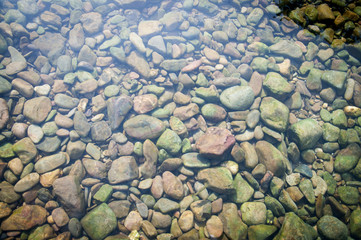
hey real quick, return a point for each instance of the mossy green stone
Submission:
(213, 112)
(99, 222)
(331, 183)
(274, 114)
(208, 94)
(355, 224)
(325, 115)
(169, 141)
(334, 78)
(307, 189)
(6, 151)
(349, 195)
(104, 193)
(330, 132)
(243, 191)
(166, 205)
(260, 64)
(305, 133)
(294, 228)
(352, 136)
(42, 232)
(186, 145)
(261, 232)
(138, 148)
(347, 158)
(330, 227)
(339, 118)
(155, 90)
(275, 206)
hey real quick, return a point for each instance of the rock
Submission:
(5, 86)
(347, 158)
(94, 168)
(186, 221)
(215, 142)
(286, 48)
(49, 144)
(76, 37)
(150, 152)
(277, 85)
(24, 218)
(7, 193)
(169, 141)
(99, 222)
(123, 169)
(253, 213)
(243, 191)
(23, 87)
(274, 114)
(70, 195)
(201, 209)
(332, 228)
(4, 113)
(213, 112)
(160, 220)
(214, 227)
(355, 223)
(349, 195)
(336, 79)
(219, 179)
(75, 149)
(6, 150)
(65, 101)
(166, 205)
(92, 22)
(50, 44)
(149, 28)
(120, 208)
(3, 45)
(100, 131)
(271, 157)
(145, 103)
(117, 109)
(133, 221)
(305, 133)
(60, 217)
(233, 226)
(261, 231)
(325, 12)
(186, 112)
(293, 227)
(27, 182)
(172, 186)
(157, 44)
(143, 127)
(137, 41)
(25, 149)
(307, 189)
(42, 232)
(37, 109)
(81, 125)
(237, 97)
(140, 65)
(173, 65)
(86, 86)
(49, 163)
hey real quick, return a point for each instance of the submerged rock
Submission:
(143, 127)
(24, 218)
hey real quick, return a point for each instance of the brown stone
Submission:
(24, 218)
(145, 103)
(172, 186)
(215, 142)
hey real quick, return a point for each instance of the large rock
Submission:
(24, 218)
(140, 65)
(237, 97)
(50, 44)
(37, 109)
(271, 157)
(305, 133)
(274, 114)
(277, 85)
(76, 37)
(70, 195)
(243, 191)
(4, 112)
(219, 179)
(253, 213)
(233, 226)
(172, 186)
(150, 152)
(7, 193)
(49, 163)
(347, 158)
(332, 228)
(25, 149)
(99, 222)
(294, 228)
(143, 127)
(117, 108)
(286, 48)
(81, 124)
(92, 22)
(173, 65)
(170, 141)
(149, 28)
(355, 224)
(334, 78)
(123, 169)
(100, 131)
(215, 142)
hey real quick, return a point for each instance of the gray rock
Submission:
(277, 85)
(49, 163)
(50, 44)
(286, 48)
(305, 133)
(138, 62)
(143, 127)
(334, 78)
(68, 191)
(173, 65)
(100, 131)
(117, 109)
(92, 22)
(219, 179)
(27, 182)
(237, 97)
(253, 213)
(332, 228)
(76, 37)
(37, 109)
(49, 144)
(81, 125)
(123, 169)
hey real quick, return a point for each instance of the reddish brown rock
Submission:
(145, 103)
(172, 186)
(215, 142)
(24, 218)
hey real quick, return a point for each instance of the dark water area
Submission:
(194, 119)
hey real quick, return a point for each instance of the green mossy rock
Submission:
(305, 133)
(99, 222)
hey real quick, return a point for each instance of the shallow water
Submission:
(191, 120)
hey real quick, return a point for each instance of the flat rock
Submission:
(305, 133)
(143, 127)
(219, 179)
(24, 218)
(123, 169)
(138, 62)
(37, 109)
(271, 157)
(117, 109)
(237, 97)
(274, 114)
(215, 142)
